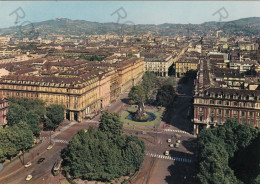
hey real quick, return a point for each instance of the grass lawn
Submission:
(64, 181)
(150, 124)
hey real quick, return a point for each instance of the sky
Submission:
(137, 12)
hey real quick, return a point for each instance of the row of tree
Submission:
(24, 120)
(165, 93)
(14, 139)
(34, 112)
(218, 146)
(103, 154)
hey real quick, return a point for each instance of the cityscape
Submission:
(130, 92)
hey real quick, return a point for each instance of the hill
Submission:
(63, 26)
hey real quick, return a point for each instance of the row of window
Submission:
(232, 103)
(227, 112)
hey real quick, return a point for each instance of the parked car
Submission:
(29, 177)
(28, 164)
(49, 147)
(40, 160)
(171, 145)
(176, 145)
(166, 153)
(169, 140)
(178, 141)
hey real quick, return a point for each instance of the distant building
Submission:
(186, 64)
(3, 111)
(158, 63)
(218, 34)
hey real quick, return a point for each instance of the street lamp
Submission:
(155, 134)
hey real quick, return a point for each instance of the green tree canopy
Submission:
(93, 155)
(16, 114)
(150, 81)
(165, 95)
(26, 110)
(14, 139)
(217, 148)
(55, 114)
(136, 94)
(33, 121)
(111, 124)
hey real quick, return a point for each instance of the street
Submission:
(155, 141)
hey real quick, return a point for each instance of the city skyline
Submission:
(135, 12)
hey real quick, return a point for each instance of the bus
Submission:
(56, 169)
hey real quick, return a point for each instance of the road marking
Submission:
(92, 121)
(60, 141)
(178, 131)
(178, 159)
(63, 129)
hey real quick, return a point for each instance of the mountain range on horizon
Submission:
(63, 26)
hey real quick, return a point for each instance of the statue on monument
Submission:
(140, 113)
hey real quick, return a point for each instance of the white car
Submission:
(166, 153)
(49, 147)
(176, 145)
(28, 164)
(169, 140)
(171, 145)
(29, 177)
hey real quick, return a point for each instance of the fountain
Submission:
(140, 115)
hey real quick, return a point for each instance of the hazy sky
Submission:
(153, 12)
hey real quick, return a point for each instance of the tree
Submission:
(94, 155)
(136, 94)
(221, 149)
(26, 110)
(14, 139)
(55, 114)
(16, 114)
(33, 121)
(150, 82)
(165, 95)
(110, 123)
(171, 81)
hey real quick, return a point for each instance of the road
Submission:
(15, 172)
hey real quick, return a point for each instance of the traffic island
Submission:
(152, 121)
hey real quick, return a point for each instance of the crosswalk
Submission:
(179, 131)
(63, 129)
(178, 159)
(60, 141)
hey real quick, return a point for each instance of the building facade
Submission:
(84, 90)
(3, 111)
(158, 64)
(222, 94)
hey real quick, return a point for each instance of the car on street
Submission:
(40, 160)
(166, 153)
(176, 145)
(28, 177)
(178, 141)
(49, 147)
(171, 145)
(169, 140)
(28, 164)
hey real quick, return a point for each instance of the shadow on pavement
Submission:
(182, 172)
(190, 144)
